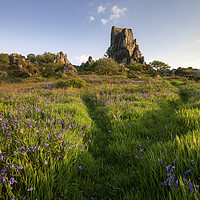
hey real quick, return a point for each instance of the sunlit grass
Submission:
(112, 140)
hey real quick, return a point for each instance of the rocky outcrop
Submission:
(61, 58)
(31, 59)
(17, 59)
(86, 64)
(70, 69)
(124, 48)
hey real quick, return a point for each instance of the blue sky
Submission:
(166, 30)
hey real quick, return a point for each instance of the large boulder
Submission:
(31, 59)
(124, 48)
(17, 59)
(69, 69)
(61, 58)
(18, 70)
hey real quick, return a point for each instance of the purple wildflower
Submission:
(45, 162)
(30, 189)
(12, 181)
(187, 171)
(160, 161)
(168, 167)
(184, 181)
(191, 187)
(172, 169)
(80, 167)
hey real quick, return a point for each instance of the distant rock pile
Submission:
(62, 59)
(124, 48)
(87, 63)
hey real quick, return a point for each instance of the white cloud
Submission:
(197, 41)
(91, 18)
(101, 9)
(104, 21)
(117, 12)
(80, 59)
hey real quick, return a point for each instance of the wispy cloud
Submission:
(198, 41)
(117, 12)
(101, 9)
(104, 21)
(80, 59)
(91, 18)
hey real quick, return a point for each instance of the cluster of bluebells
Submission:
(40, 131)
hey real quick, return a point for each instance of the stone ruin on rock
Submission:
(124, 48)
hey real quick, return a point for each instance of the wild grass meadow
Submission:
(113, 139)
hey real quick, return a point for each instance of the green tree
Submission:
(135, 66)
(47, 57)
(51, 69)
(159, 66)
(4, 59)
(106, 66)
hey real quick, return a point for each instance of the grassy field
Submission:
(114, 139)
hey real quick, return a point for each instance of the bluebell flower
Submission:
(30, 189)
(168, 167)
(184, 181)
(191, 187)
(187, 171)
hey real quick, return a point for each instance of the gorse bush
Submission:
(105, 66)
(61, 84)
(4, 59)
(75, 83)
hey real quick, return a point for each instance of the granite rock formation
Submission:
(87, 63)
(69, 69)
(17, 59)
(31, 59)
(124, 48)
(62, 59)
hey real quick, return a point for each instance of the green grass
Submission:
(137, 140)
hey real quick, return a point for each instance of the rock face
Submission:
(31, 59)
(61, 58)
(86, 64)
(124, 48)
(17, 59)
(69, 69)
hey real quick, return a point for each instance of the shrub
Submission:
(51, 69)
(159, 66)
(4, 59)
(177, 83)
(61, 84)
(45, 58)
(105, 66)
(135, 67)
(75, 83)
